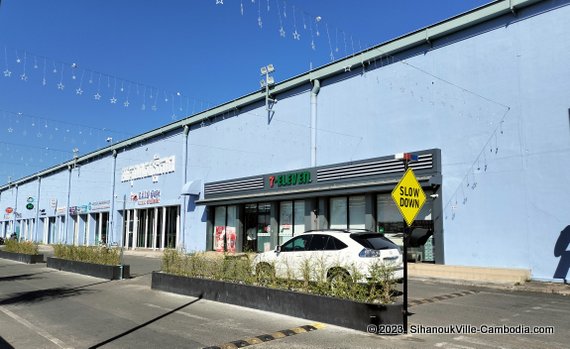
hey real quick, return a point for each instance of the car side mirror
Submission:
(278, 248)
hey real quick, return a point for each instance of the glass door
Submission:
(250, 225)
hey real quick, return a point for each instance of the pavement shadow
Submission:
(105, 342)
(4, 344)
(23, 277)
(48, 294)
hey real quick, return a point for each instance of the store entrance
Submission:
(257, 227)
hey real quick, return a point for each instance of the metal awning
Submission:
(192, 188)
(329, 190)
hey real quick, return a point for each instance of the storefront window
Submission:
(285, 221)
(338, 216)
(299, 217)
(225, 223)
(231, 224)
(356, 212)
(391, 224)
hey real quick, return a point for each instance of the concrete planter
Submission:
(111, 272)
(22, 257)
(335, 311)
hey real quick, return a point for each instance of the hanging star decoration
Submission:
(113, 100)
(79, 91)
(7, 73)
(219, 2)
(60, 86)
(126, 104)
(282, 32)
(296, 35)
(24, 77)
(44, 82)
(10, 130)
(97, 96)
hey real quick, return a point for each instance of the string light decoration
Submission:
(287, 15)
(116, 91)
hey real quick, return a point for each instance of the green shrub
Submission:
(25, 247)
(88, 254)
(315, 278)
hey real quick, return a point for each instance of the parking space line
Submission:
(268, 337)
(36, 329)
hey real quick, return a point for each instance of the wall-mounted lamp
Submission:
(266, 83)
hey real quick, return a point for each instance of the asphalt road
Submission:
(45, 308)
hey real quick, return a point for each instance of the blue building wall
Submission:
(493, 98)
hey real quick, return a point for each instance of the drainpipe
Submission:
(185, 198)
(67, 215)
(36, 226)
(15, 212)
(111, 231)
(314, 92)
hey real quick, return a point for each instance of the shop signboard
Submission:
(289, 179)
(9, 210)
(146, 197)
(409, 196)
(153, 168)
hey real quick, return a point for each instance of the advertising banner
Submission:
(219, 237)
(231, 238)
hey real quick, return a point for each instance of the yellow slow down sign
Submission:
(409, 196)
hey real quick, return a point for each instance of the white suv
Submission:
(331, 253)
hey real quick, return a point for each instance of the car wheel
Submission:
(264, 273)
(339, 279)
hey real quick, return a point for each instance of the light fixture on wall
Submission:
(267, 82)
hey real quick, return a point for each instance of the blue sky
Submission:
(76, 72)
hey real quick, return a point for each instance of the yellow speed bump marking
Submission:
(298, 330)
(254, 340)
(228, 346)
(268, 337)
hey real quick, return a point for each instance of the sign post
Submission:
(409, 197)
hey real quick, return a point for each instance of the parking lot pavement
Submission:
(44, 308)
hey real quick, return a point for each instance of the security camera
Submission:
(434, 196)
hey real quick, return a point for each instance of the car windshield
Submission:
(374, 241)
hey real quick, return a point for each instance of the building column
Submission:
(274, 224)
(239, 229)
(323, 213)
(100, 226)
(210, 211)
(127, 215)
(370, 212)
(154, 228)
(436, 215)
(146, 228)
(135, 228)
(163, 228)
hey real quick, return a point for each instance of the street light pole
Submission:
(405, 248)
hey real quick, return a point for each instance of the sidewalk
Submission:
(498, 278)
